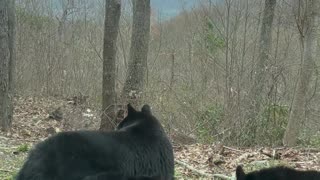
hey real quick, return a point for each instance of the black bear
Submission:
(277, 173)
(138, 149)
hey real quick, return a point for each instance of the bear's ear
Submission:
(240, 173)
(131, 110)
(146, 109)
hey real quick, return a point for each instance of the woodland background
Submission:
(201, 64)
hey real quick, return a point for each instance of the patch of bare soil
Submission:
(220, 161)
(35, 119)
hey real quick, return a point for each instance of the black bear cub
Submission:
(138, 149)
(277, 173)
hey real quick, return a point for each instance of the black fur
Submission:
(106, 176)
(139, 149)
(277, 173)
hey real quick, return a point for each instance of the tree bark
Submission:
(134, 84)
(263, 62)
(111, 28)
(298, 110)
(7, 58)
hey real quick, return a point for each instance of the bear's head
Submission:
(139, 119)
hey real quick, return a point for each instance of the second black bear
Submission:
(277, 173)
(138, 149)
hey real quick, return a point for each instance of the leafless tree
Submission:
(308, 27)
(263, 63)
(7, 59)
(134, 84)
(111, 28)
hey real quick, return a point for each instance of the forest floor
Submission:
(37, 118)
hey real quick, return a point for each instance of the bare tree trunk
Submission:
(298, 110)
(7, 58)
(172, 69)
(111, 28)
(134, 84)
(263, 62)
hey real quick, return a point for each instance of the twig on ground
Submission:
(9, 148)
(221, 176)
(232, 149)
(2, 137)
(6, 170)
